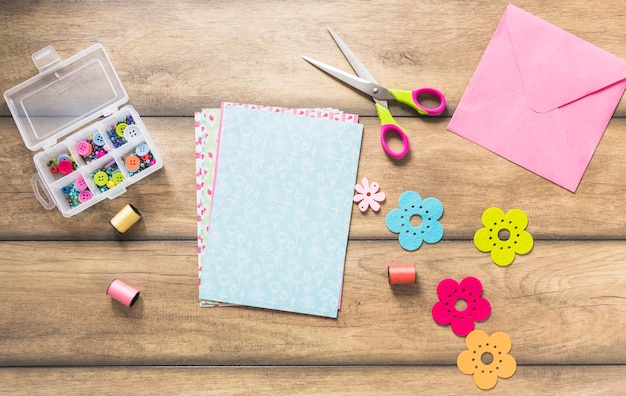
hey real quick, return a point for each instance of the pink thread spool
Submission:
(123, 293)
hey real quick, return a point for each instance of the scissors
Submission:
(366, 83)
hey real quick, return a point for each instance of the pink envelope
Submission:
(541, 98)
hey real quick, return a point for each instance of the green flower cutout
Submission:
(504, 235)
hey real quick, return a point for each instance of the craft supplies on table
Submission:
(98, 159)
(280, 208)
(541, 97)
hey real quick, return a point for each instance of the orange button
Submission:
(132, 163)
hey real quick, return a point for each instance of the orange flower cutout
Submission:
(487, 358)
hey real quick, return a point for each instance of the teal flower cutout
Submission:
(416, 220)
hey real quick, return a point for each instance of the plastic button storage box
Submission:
(105, 148)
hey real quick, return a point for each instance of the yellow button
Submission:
(119, 129)
(100, 178)
(110, 184)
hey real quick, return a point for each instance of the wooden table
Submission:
(563, 304)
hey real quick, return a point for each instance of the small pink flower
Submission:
(368, 195)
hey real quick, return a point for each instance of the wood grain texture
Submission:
(563, 304)
(227, 381)
(465, 177)
(175, 58)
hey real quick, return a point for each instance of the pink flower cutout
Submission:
(368, 195)
(460, 305)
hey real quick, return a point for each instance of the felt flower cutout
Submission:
(368, 195)
(504, 235)
(460, 305)
(416, 221)
(487, 358)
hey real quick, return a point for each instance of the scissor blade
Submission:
(367, 87)
(356, 64)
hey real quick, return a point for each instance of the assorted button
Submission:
(77, 193)
(92, 148)
(64, 164)
(107, 177)
(100, 146)
(141, 159)
(117, 132)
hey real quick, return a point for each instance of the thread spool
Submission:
(122, 292)
(125, 218)
(401, 274)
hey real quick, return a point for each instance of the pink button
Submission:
(84, 196)
(65, 167)
(80, 183)
(84, 148)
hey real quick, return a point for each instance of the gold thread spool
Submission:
(125, 218)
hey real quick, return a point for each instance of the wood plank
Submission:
(562, 303)
(397, 381)
(173, 58)
(465, 177)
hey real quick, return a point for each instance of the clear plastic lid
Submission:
(64, 95)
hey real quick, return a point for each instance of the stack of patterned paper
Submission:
(276, 186)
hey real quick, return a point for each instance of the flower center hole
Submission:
(460, 305)
(504, 234)
(416, 220)
(486, 358)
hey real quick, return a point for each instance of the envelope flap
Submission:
(556, 66)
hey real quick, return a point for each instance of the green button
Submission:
(119, 129)
(118, 177)
(100, 178)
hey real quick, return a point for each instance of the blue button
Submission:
(98, 139)
(142, 150)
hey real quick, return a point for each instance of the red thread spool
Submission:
(123, 293)
(402, 274)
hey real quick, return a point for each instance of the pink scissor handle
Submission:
(387, 128)
(412, 99)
